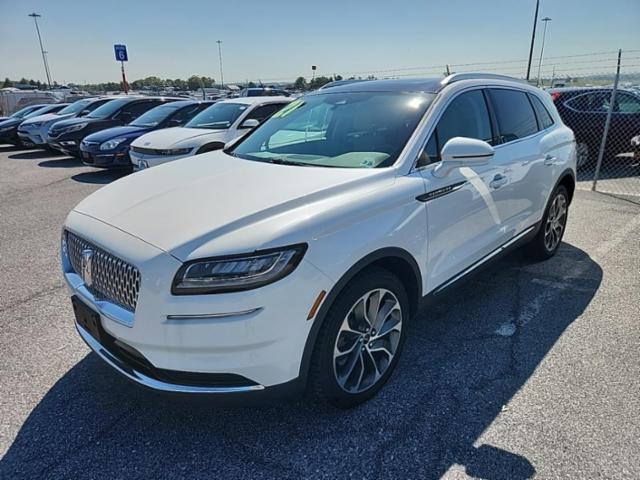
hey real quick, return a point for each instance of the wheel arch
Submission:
(568, 180)
(396, 260)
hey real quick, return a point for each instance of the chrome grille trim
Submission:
(112, 278)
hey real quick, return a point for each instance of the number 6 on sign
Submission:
(121, 53)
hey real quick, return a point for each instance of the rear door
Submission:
(625, 122)
(464, 224)
(529, 157)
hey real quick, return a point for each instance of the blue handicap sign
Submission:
(121, 53)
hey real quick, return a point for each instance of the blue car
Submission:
(110, 148)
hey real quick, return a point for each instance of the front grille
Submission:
(148, 151)
(54, 133)
(112, 279)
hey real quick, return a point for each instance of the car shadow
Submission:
(4, 148)
(465, 358)
(33, 155)
(66, 162)
(100, 177)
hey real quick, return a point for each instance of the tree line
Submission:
(194, 82)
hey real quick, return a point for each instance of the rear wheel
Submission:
(547, 240)
(360, 341)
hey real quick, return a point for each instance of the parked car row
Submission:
(137, 132)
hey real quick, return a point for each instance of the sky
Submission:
(279, 40)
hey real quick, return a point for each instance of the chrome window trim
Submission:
(415, 168)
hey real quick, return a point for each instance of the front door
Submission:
(464, 223)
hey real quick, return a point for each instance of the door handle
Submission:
(549, 160)
(498, 181)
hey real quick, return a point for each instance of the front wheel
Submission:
(360, 341)
(546, 242)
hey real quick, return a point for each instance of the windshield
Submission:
(75, 107)
(109, 108)
(42, 110)
(154, 116)
(218, 116)
(26, 110)
(351, 130)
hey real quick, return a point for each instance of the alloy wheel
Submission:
(556, 220)
(367, 341)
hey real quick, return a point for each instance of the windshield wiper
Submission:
(284, 161)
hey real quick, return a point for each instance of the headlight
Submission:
(33, 125)
(175, 151)
(237, 272)
(111, 144)
(74, 128)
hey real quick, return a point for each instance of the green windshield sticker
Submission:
(289, 108)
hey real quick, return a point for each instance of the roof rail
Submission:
(456, 77)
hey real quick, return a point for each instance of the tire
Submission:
(546, 242)
(362, 367)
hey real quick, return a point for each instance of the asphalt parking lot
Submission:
(528, 370)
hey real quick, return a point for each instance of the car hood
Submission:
(114, 132)
(45, 118)
(11, 122)
(214, 204)
(170, 137)
(75, 120)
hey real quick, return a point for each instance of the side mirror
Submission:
(174, 123)
(84, 113)
(249, 123)
(463, 152)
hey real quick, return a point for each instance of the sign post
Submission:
(121, 56)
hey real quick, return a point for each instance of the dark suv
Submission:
(66, 135)
(584, 110)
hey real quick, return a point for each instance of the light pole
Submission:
(533, 38)
(544, 34)
(35, 17)
(219, 42)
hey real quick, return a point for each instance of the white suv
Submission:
(210, 130)
(294, 258)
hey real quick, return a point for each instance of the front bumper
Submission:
(149, 161)
(67, 144)
(94, 157)
(31, 138)
(259, 335)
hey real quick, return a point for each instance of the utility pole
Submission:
(35, 17)
(219, 42)
(533, 38)
(544, 35)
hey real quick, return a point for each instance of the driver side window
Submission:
(466, 116)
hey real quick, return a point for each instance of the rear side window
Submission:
(627, 103)
(138, 108)
(591, 102)
(544, 117)
(264, 112)
(514, 114)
